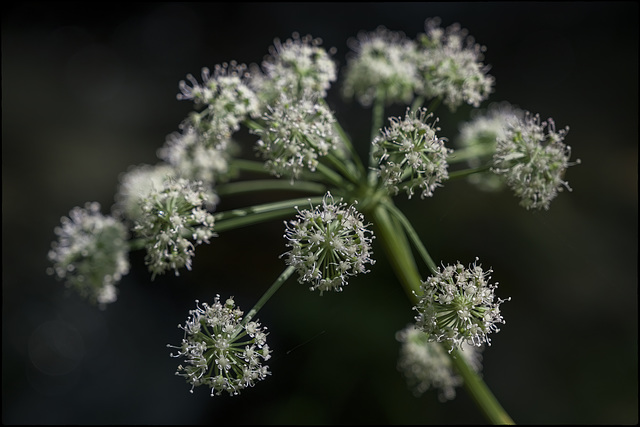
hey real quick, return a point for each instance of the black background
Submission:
(89, 89)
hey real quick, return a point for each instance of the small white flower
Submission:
(384, 61)
(410, 154)
(226, 97)
(480, 136)
(296, 133)
(533, 159)
(426, 364)
(328, 244)
(458, 305)
(173, 220)
(450, 63)
(297, 66)
(91, 253)
(195, 156)
(220, 350)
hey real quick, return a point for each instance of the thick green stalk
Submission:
(413, 236)
(399, 254)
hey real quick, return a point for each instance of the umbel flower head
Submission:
(91, 253)
(328, 244)
(298, 66)
(458, 305)
(533, 158)
(195, 157)
(226, 97)
(450, 63)
(383, 63)
(220, 350)
(296, 133)
(173, 220)
(426, 365)
(479, 137)
(410, 154)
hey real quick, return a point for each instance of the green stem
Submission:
(269, 293)
(435, 103)
(397, 250)
(249, 166)
(478, 389)
(399, 254)
(240, 187)
(260, 213)
(377, 121)
(413, 236)
(347, 142)
(417, 103)
(333, 177)
(466, 172)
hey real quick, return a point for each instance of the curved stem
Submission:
(481, 394)
(401, 259)
(269, 293)
(413, 236)
(466, 172)
(377, 121)
(260, 213)
(240, 187)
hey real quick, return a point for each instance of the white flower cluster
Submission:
(297, 66)
(533, 159)
(451, 66)
(479, 136)
(328, 244)
(172, 220)
(426, 365)
(383, 61)
(445, 64)
(296, 133)
(91, 253)
(195, 157)
(222, 351)
(227, 99)
(410, 154)
(458, 305)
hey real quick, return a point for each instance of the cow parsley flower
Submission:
(458, 305)
(383, 63)
(173, 221)
(426, 365)
(91, 253)
(221, 350)
(136, 184)
(195, 157)
(533, 159)
(410, 154)
(296, 133)
(328, 245)
(450, 63)
(299, 65)
(479, 136)
(226, 97)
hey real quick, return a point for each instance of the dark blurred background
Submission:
(89, 89)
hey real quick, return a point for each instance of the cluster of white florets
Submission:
(426, 365)
(220, 350)
(91, 253)
(458, 305)
(410, 154)
(532, 157)
(328, 244)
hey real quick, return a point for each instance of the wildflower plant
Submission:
(345, 218)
